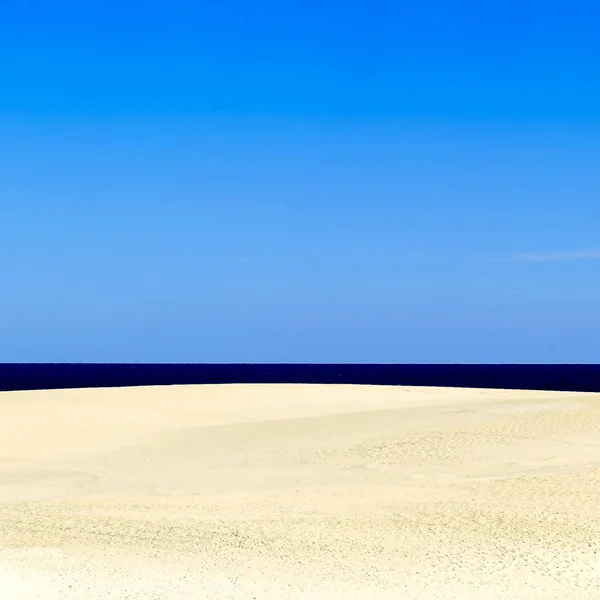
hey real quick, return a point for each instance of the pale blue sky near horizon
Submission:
(300, 182)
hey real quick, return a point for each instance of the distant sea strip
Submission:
(40, 376)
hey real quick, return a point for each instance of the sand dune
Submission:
(303, 492)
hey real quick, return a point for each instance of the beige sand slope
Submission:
(304, 492)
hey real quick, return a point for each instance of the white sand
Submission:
(304, 492)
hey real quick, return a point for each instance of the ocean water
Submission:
(36, 376)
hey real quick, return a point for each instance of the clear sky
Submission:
(315, 181)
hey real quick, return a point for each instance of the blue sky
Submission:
(299, 182)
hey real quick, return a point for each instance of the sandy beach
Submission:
(299, 492)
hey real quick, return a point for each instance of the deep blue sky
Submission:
(299, 181)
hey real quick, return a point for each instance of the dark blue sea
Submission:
(30, 376)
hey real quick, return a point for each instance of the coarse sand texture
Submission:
(299, 492)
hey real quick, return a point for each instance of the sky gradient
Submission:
(299, 182)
